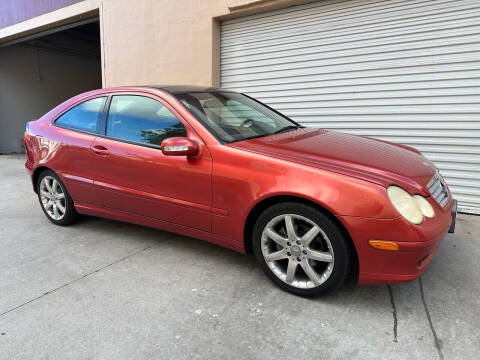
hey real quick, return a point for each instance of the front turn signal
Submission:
(383, 245)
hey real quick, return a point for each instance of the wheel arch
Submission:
(273, 200)
(36, 174)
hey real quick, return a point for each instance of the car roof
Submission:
(181, 89)
(171, 89)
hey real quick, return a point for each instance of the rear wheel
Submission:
(54, 198)
(301, 249)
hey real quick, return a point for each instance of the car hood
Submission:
(362, 157)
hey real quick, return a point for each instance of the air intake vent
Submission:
(438, 190)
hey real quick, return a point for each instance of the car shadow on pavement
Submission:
(209, 252)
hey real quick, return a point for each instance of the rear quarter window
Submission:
(84, 116)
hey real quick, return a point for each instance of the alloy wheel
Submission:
(52, 197)
(297, 251)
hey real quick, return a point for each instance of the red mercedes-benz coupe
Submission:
(312, 205)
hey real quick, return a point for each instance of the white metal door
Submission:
(406, 71)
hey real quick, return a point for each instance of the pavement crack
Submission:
(436, 340)
(394, 313)
(78, 279)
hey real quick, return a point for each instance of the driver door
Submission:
(132, 175)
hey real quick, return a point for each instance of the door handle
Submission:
(100, 150)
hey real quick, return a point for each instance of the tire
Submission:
(316, 243)
(54, 199)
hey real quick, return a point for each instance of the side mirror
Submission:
(179, 146)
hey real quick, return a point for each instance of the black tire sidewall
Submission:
(338, 240)
(70, 212)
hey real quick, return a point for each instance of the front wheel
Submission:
(301, 249)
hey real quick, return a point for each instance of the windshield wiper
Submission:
(251, 137)
(286, 128)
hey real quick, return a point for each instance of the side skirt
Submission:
(89, 209)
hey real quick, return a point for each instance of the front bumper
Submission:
(417, 245)
(451, 230)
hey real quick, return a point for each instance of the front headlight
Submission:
(424, 206)
(405, 205)
(412, 208)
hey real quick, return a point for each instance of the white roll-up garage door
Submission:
(406, 71)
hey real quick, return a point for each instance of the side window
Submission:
(142, 119)
(84, 116)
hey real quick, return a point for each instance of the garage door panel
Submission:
(418, 133)
(330, 8)
(372, 22)
(367, 31)
(472, 194)
(401, 71)
(335, 8)
(447, 125)
(335, 47)
(332, 119)
(371, 31)
(420, 77)
(447, 54)
(454, 158)
(375, 91)
(323, 66)
(439, 150)
(452, 175)
(462, 34)
(417, 142)
(288, 60)
(346, 13)
(327, 109)
(369, 99)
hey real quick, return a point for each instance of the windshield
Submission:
(233, 117)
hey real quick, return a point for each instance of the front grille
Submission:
(438, 189)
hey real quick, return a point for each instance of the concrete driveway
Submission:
(102, 289)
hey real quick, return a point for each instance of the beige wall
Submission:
(155, 41)
(168, 41)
